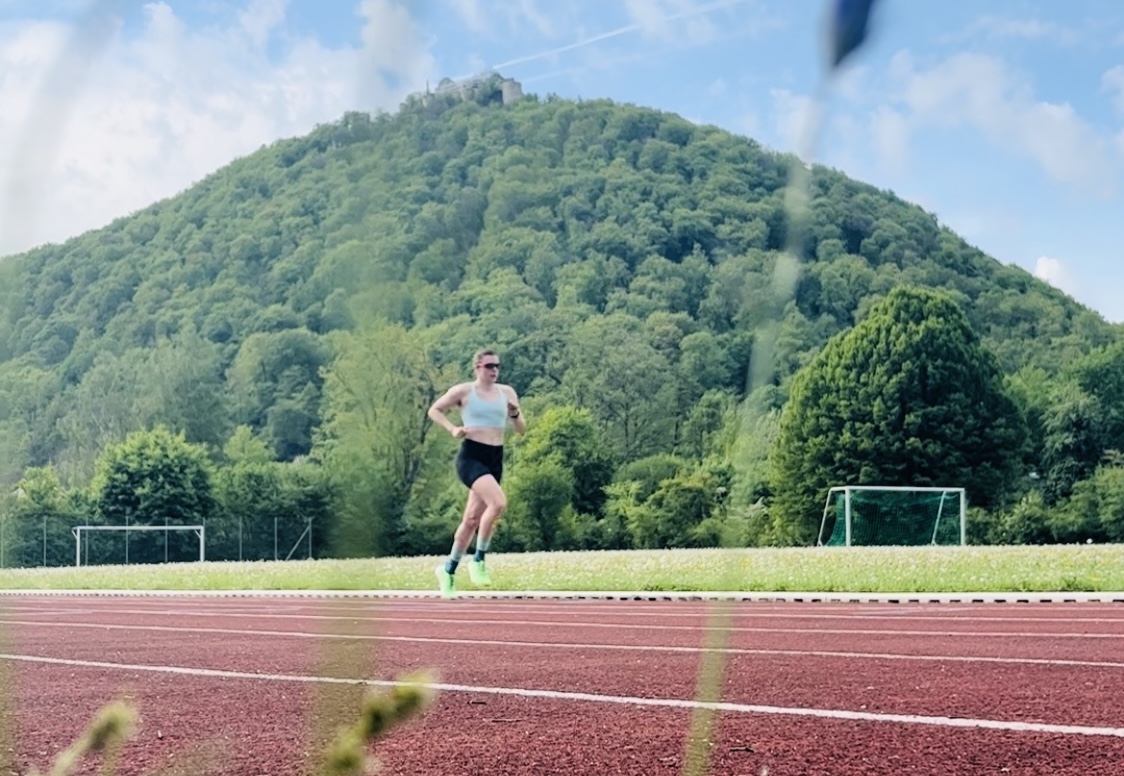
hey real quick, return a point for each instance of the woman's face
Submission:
(488, 368)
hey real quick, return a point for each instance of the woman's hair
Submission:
(476, 358)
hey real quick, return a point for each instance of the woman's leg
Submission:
(488, 490)
(470, 520)
(473, 509)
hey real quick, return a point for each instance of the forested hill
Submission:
(617, 256)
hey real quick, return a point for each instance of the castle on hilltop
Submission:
(475, 87)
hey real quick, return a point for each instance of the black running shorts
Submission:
(475, 459)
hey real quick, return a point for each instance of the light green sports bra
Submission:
(482, 413)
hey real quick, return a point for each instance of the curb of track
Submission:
(621, 595)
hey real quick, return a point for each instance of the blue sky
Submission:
(1003, 118)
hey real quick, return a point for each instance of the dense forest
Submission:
(256, 354)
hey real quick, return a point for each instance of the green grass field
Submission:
(1070, 568)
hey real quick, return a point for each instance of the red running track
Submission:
(247, 686)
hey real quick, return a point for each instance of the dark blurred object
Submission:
(849, 25)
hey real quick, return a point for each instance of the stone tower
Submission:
(512, 90)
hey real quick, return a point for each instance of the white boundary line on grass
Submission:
(622, 595)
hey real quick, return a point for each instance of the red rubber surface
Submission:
(1058, 665)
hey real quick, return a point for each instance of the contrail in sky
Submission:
(705, 9)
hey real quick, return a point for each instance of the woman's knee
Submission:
(473, 511)
(495, 499)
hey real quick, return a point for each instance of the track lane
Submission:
(467, 732)
(260, 726)
(795, 679)
(1098, 639)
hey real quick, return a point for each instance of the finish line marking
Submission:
(737, 708)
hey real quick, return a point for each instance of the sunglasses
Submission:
(490, 366)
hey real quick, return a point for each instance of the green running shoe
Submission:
(445, 582)
(478, 574)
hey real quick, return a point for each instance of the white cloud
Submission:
(164, 108)
(1025, 29)
(526, 12)
(792, 116)
(1113, 83)
(749, 124)
(261, 17)
(471, 14)
(673, 20)
(392, 42)
(852, 83)
(980, 92)
(1056, 273)
(889, 131)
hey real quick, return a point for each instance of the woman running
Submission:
(486, 407)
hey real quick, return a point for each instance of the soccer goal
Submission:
(83, 531)
(894, 515)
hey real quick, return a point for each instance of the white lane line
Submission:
(736, 708)
(1110, 597)
(1053, 662)
(472, 608)
(341, 610)
(698, 615)
(627, 626)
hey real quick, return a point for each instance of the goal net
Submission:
(893, 515)
(83, 532)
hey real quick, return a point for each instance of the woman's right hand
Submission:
(457, 432)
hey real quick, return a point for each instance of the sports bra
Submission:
(481, 413)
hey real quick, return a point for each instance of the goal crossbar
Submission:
(956, 502)
(79, 530)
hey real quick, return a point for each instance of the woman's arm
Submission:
(436, 412)
(515, 412)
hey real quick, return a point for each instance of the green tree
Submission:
(538, 498)
(1073, 440)
(276, 380)
(386, 458)
(569, 436)
(270, 510)
(1026, 522)
(154, 478)
(1095, 510)
(612, 368)
(908, 397)
(102, 410)
(182, 387)
(244, 446)
(1083, 419)
(38, 521)
(677, 513)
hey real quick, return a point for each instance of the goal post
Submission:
(894, 515)
(80, 531)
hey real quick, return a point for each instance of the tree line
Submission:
(909, 396)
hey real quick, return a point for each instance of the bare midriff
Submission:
(487, 436)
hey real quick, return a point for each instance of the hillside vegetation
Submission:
(290, 317)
